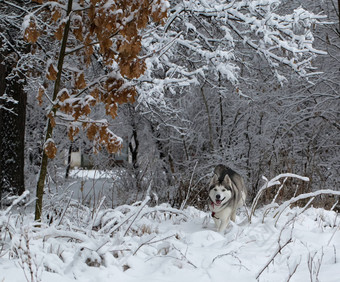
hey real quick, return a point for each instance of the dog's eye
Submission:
(215, 189)
(223, 190)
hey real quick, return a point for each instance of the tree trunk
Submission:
(69, 158)
(12, 129)
(49, 131)
(134, 148)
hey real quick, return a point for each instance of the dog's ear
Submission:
(215, 178)
(227, 180)
(213, 181)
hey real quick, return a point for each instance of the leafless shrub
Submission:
(268, 184)
(27, 260)
(7, 231)
(6, 235)
(281, 207)
(314, 263)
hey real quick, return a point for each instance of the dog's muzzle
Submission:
(218, 200)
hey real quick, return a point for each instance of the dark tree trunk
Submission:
(164, 155)
(12, 129)
(68, 161)
(134, 147)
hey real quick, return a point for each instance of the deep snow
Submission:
(142, 243)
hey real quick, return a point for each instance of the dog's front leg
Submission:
(233, 216)
(225, 218)
(223, 225)
(217, 223)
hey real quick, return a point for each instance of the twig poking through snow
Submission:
(279, 249)
(184, 257)
(142, 205)
(292, 271)
(95, 214)
(278, 190)
(189, 188)
(66, 207)
(232, 253)
(330, 239)
(149, 242)
(314, 265)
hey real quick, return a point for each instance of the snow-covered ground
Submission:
(142, 243)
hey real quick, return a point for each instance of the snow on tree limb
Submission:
(293, 200)
(15, 202)
(274, 181)
(208, 36)
(111, 30)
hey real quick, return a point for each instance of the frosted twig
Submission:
(270, 183)
(189, 188)
(15, 202)
(292, 272)
(303, 196)
(64, 211)
(95, 214)
(143, 204)
(149, 242)
(232, 253)
(335, 204)
(279, 249)
(297, 214)
(165, 210)
(184, 257)
(314, 267)
(330, 239)
(278, 190)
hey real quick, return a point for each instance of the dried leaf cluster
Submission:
(111, 28)
(50, 148)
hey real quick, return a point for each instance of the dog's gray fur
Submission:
(227, 192)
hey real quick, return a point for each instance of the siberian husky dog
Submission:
(227, 192)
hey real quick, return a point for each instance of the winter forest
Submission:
(114, 113)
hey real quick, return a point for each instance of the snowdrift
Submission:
(142, 243)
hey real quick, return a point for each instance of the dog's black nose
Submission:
(218, 196)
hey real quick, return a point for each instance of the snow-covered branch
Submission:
(273, 182)
(287, 203)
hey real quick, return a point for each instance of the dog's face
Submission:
(220, 194)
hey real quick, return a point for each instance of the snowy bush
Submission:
(134, 242)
